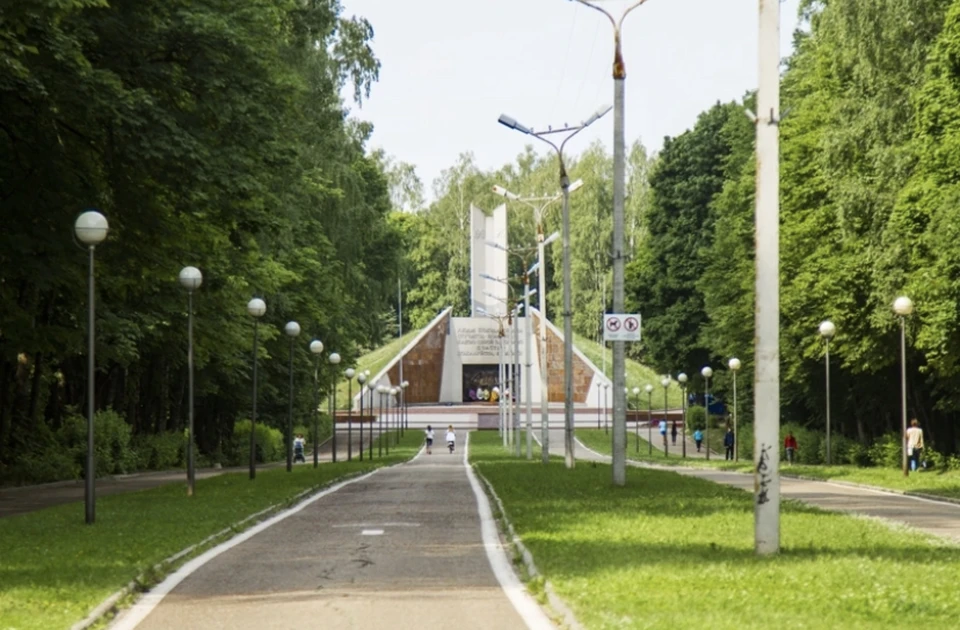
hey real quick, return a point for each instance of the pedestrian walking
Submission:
(698, 438)
(729, 443)
(429, 438)
(673, 432)
(914, 438)
(298, 444)
(451, 438)
(790, 446)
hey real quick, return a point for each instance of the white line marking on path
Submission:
(377, 525)
(528, 609)
(152, 599)
(372, 532)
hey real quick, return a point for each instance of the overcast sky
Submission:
(451, 67)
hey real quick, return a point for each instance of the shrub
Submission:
(887, 451)
(112, 451)
(858, 455)
(161, 451)
(696, 418)
(270, 446)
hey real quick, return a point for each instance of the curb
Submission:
(554, 602)
(907, 493)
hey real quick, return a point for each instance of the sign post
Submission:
(621, 327)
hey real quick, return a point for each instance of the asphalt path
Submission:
(939, 518)
(405, 547)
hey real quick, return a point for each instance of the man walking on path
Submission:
(790, 446)
(729, 443)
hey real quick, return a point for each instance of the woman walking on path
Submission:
(914, 438)
(698, 438)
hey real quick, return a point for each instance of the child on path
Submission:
(451, 438)
(429, 438)
(698, 438)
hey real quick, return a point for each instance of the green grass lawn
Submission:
(668, 551)
(945, 484)
(54, 568)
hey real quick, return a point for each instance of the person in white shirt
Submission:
(914, 437)
(451, 438)
(429, 437)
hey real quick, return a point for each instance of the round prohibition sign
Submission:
(631, 324)
(613, 324)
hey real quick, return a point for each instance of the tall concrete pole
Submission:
(529, 361)
(544, 385)
(567, 325)
(515, 388)
(766, 394)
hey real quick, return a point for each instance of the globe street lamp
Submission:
(349, 372)
(372, 387)
(682, 379)
(649, 389)
(292, 329)
(316, 348)
(381, 389)
(256, 308)
(706, 372)
(666, 383)
(734, 365)
(827, 331)
(361, 379)
(393, 398)
(606, 388)
(190, 279)
(903, 306)
(334, 360)
(636, 425)
(91, 229)
(406, 406)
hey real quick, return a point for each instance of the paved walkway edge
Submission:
(554, 601)
(166, 565)
(920, 496)
(523, 602)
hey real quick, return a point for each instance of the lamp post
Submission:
(361, 379)
(190, 279)
(649, 389)
(682, 379)
(636, 426)
(349, 372)
(395, 395)
(256, 308)
(567, 309)
(392, 397)
(404, 418)
(706, 372)
(734, 365)
(539, 206)
(903, 306)
(372, 388)
(380, 390)
(666, 383)
(316, 349)
(619, 186)
(827, 331)
(334, 360)
(292, 329)
(91, 229)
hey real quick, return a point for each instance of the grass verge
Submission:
(668, 551)
(54, 569)
(934, 483)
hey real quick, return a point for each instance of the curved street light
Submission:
(256, 308)
(91, 229)
(190, 279)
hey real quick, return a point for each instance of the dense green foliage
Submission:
(210, 134)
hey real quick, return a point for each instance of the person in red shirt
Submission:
(790, 445)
